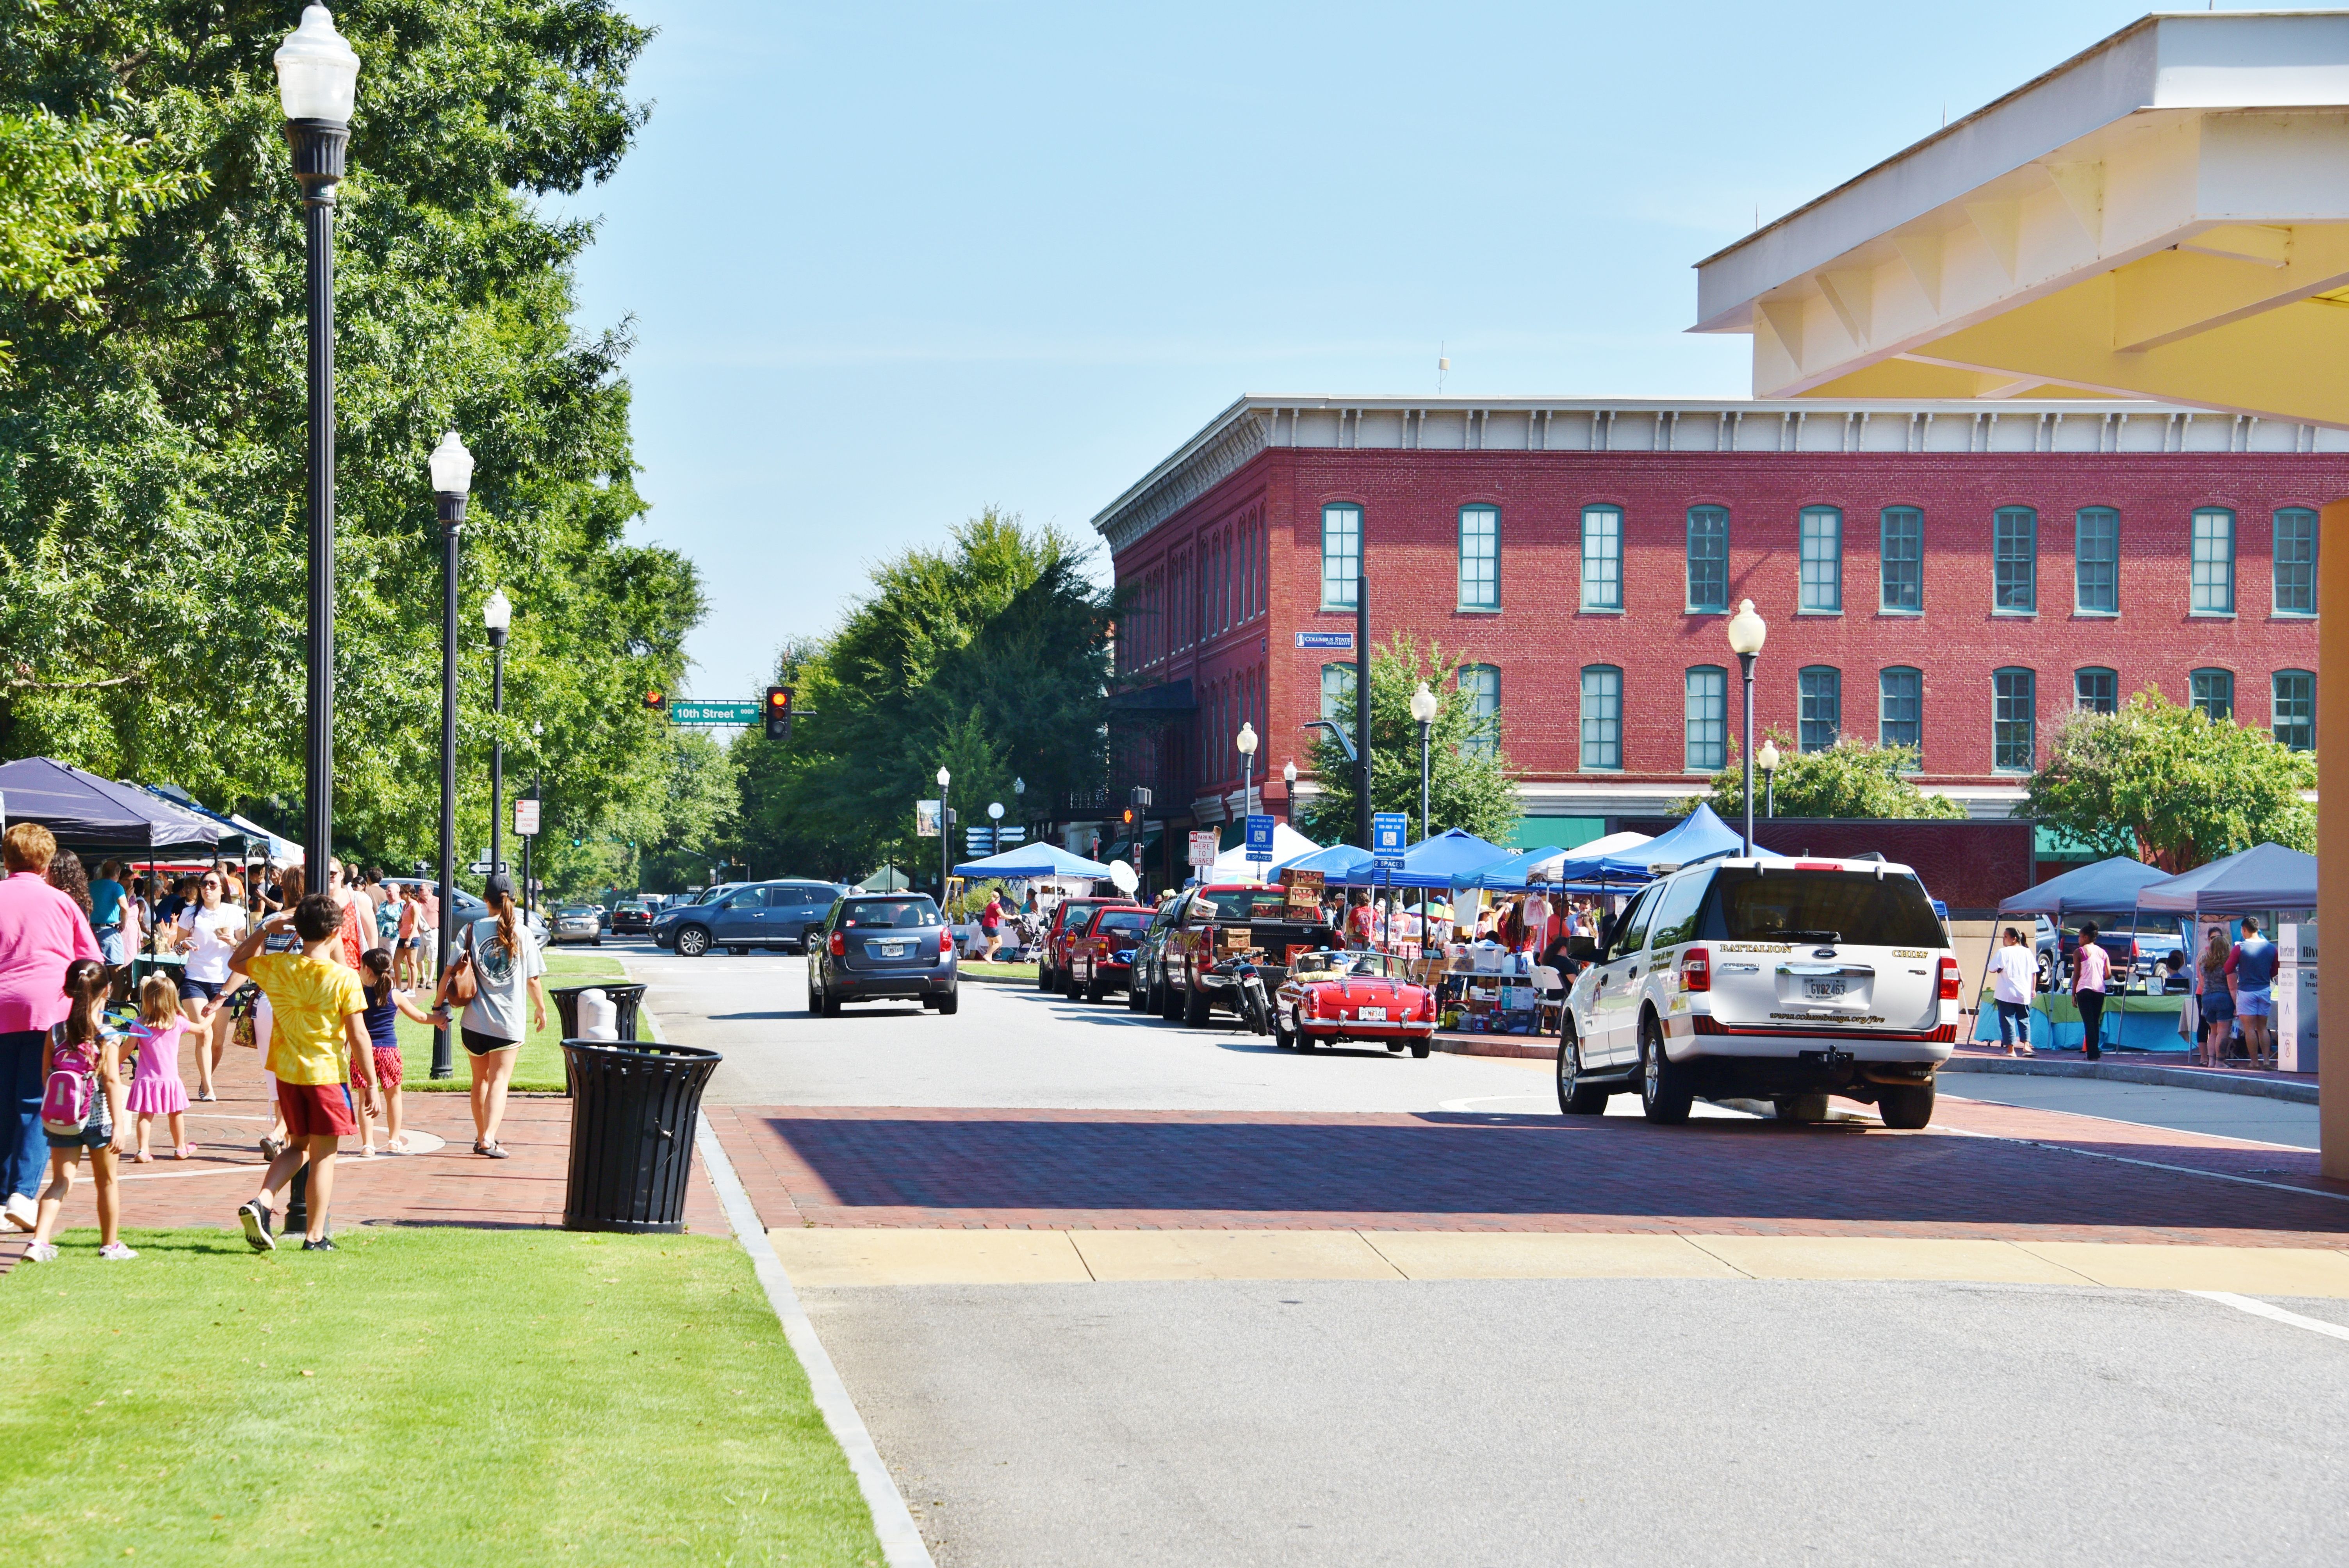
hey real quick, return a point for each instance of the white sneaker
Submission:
(19, 1211)
(41, 1252)
(115, 1252)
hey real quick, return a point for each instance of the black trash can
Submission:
(633, 1110)
(626, 999)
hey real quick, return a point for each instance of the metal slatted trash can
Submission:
(624, 999)
(633, 1109)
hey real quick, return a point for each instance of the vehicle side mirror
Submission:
(1582, 950)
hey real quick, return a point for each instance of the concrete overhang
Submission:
(2165, 215)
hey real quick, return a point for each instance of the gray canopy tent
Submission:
(2108, 887)
(2263, 877)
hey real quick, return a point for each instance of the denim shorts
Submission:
(98, 1133)
(2255, 1002)
(202, 990)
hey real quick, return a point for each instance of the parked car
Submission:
(1101, 958)
(1332, 996)
(1068, 917)
(577, 922)
(1217, 920)
(755, 914)
(873, 947)
(1143, 986)
(1774, 980)
(604, 917)
(665, 919)
(631, 916)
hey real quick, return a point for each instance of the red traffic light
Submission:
(656, 700)
(779, 713)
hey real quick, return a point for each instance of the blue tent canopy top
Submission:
(2263, 877)
(1034, 860)
(86, 811)
(1703, 837)
(1507, 874)
(2107, 887)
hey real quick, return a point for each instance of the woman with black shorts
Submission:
(506, 964)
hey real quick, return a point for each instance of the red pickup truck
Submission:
(1221, 919)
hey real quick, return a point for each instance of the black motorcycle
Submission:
(1255, 1007)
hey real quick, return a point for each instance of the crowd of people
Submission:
(313, 981)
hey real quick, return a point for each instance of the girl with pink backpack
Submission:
(82, 1100)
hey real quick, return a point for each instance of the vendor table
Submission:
(2147, 1023)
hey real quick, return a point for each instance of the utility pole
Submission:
(1362, 692)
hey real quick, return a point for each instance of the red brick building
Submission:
(1951, 575)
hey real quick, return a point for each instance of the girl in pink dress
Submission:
(156, 1088)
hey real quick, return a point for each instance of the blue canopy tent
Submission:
(1702, 837)
(88, 812)
(2104, 887)
(1032, 861)
(2263, 878)
(1433, 861)
(1341, 865)
(1510, 873)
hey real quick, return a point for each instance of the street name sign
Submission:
(1388, 831)
(1340, 640)
(681, 712)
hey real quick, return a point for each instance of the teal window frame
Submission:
(1901, 560)
(2014, 721)
(2292, 709)
(1705, 742)
(1337, 695)
(1480, 557)
(1819, 721)
(2212, 691)
(1708, 560)
(1603, 718)
(2097, 689)
(2294, 551)
(2014, 560)
(1603, 567)
(1820, 534)
(2212, 551)
(1482, 685)
(2096, 561)
(1900, 708)
(1341, 553)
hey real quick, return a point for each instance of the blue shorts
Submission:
(2255, 1003)
(95, 1133)
(202, 990)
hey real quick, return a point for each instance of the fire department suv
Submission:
(1779, 980)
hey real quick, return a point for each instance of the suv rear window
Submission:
(890, 911)
(1130, 921)
(1826, 906)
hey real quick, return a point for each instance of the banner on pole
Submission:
(926, 818)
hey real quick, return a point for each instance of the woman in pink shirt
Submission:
(2091, 968)
(41, 931)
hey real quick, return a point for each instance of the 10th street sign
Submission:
(743, 713)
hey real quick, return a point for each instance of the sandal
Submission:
(271, 1147)
(185, 1151)
(143, 1158)
(492, 1151)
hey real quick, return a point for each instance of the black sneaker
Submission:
(255, 1220)
(322, 1244)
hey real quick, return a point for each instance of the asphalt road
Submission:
(1510, 1421)
(2154, 1105)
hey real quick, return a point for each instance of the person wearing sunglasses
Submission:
(209, 929)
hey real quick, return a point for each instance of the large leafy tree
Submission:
(2172, 786)
(988, 657)
(151, 432)
(1853, 778)
(1468, 777)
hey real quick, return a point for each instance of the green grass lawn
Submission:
(441, 1395)
(981, 971)
(540, 1064)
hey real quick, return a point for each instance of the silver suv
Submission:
(1777, 980)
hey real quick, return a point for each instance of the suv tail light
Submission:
(1696, 970)
(946, 939)
(839, 944)
(1948, 979)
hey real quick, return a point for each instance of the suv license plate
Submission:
(1371, 1014)
(1826, 987)
(890, 949)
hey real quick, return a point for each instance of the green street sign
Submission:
(712, 712)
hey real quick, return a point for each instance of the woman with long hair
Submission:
(209, 931)
(506, 964)
(2214, 1000)
(69, 877)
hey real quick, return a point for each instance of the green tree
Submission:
(989, 656)
(1850, 779)
(2172, 786)
(1468, 777)
(152, 432)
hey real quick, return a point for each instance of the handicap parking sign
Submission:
(1259, 838)
(1388, 830)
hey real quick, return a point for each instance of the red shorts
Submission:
(387, 1067)
(315, 1110)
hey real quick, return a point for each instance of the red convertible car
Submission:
(1330, 997)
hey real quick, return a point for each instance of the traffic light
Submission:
(779, 713)
(1128, 817)
(657, 701)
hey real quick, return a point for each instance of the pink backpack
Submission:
(72, 1088)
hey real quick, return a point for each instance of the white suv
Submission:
(1778, 980)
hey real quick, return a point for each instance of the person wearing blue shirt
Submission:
(2253, 965)
(105, 896)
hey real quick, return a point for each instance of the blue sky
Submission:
(891, 266)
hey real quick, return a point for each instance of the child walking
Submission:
(81, 1096)
(386, 1004)
(156, 1087)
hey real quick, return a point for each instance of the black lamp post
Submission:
(1422, 710)
(1362, 697)
(1746, 633)
(497, 615)
(318, 74)
(452, 477)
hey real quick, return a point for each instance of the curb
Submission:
(1496, 1045)
(2210, 1081)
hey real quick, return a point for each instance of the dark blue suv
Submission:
(756, 915)
(875, 947)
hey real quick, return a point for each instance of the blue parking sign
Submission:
(1259, 838)
(1389, 829)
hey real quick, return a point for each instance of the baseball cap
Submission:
(500, 884)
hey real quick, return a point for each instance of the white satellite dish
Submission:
(1122, 875)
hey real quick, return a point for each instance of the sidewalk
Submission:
(2177, 1072)
(449, 1185)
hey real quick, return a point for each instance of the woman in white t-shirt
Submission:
(210, 930)
(507, 964)
(2014, 980)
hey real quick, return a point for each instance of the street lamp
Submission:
(451, 468)
(1423, 711)
(536, 730)
(1766, 759)
(995, 829)
(317, 73)
(1246, 741)
(945, 839)
(1747, 631)
(497, 615)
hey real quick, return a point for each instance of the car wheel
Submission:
(1169, 1001)
(1094, 989)
(1421, 1047)
(1195, 1008)
(1072, 988)
(2046, 971)
(1801, 1108)
(1043, 974)
(815, 998)
(1665, 1096)
(597, 943)
(1284, 1033)
(1137, 1000)
(1576, 1098)
(950, 1001)
(831, 1004)
(1907, 1107)
(692, 942)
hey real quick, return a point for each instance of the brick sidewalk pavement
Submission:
(1977, 1175)
(449, 1186)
